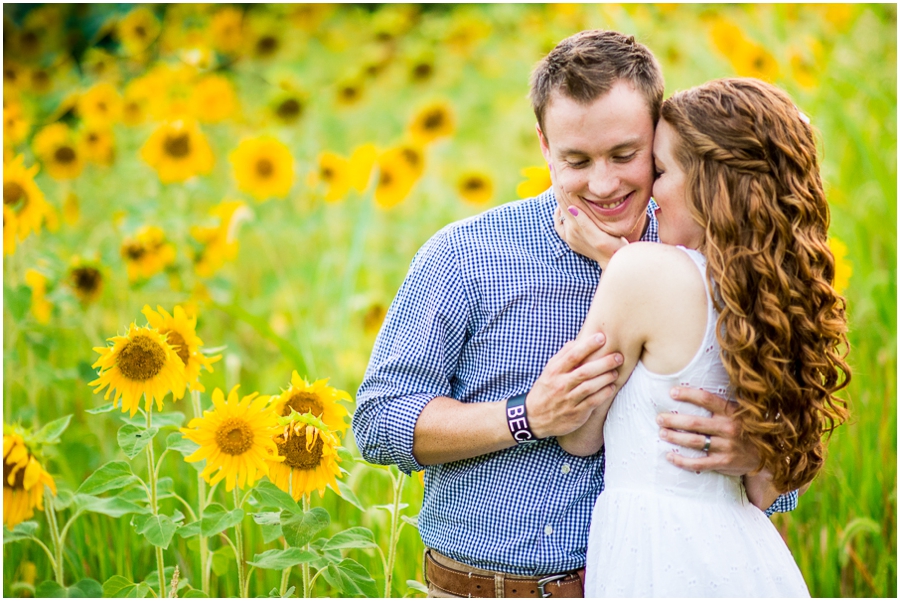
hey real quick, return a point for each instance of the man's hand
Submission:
(571, 387)
(727, 454)
(584, 237)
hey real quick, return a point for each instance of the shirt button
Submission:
(548, 530)
(565, 468)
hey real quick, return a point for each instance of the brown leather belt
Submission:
(467, 584)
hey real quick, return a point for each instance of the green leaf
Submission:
(63, 499)
(269, 525)
(390, 507)
(261, 325)
(352, 538)
(269, 495)
(217, 519)
(853, 529)
(22, 531)
(112, 506)
(17, 300)
(133, 440)
(299, 529)
(157, 529)
(351, 579)
(417, 586)
(327, 556)
(177, 442)
(345, 455)
(348, 495)
(279, 559)
(109, 476)
(194, 594)
(274, 594)
(119, 586)
(159, 420)
(101, 409)
(86, 588)
(412, 521)
(189, 530)
(223, 560)
(165, 488)
(50, 433)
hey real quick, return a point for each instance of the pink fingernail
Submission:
(573, 211)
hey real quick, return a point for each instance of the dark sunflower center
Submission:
(473, 184)
(385, 179)
(30, 40)
(18, 481)
(139, 31)
(266, 45)
(327, 173)
(434, 120)
(289, 109)
(422, 71)
(141, 359)
(264, 168)
(177, 146)
(297, 456)
(349, 93)
(178, 343)
(64, 154)
(13, 194)
(93, 138)
(135, 251)
(40, 78)
(10, 75)
(234, 436)
(759, 62)
(87, 279)
(304, 402)
(412, 157)
(132, 108)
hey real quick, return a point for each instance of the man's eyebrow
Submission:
(625, 145)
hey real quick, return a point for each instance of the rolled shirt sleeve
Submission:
(415, 356)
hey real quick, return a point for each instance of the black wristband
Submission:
(517, 420)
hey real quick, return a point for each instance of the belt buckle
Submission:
(547, 580)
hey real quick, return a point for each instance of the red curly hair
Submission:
(753, 184)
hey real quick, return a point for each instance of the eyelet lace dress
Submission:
(660, 531)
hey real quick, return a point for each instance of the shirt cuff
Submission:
(784, 503)
(391, 441)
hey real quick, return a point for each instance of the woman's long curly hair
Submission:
(752, 182)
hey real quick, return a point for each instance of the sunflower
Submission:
(373, 318)
(100, 105)
(235, 438)
(475, 187)
(22, 196)
(57, 148)
(361, 162)
(140, 363)
(136, 101)
(421, 69)
(537, 180)
(214, 99)
(85, 279)
(23, 480)
(219, 243)
(10, 230)
(334, 171)
(843, 268)
(137, 30)
(349, 92)
(178, 151)
(433, 121)
(147, 253)
(180, 331)
(263, 168)
(310, 459)
(100, 64)
(40, 306)
(288, 107)
(396, 178)
(317, 398)
(226, 30)
(15, 124)
(14, 76)
(98, 144)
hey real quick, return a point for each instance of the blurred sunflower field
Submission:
(197, 197)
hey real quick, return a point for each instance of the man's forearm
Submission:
(449, 430)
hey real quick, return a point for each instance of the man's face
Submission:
(601, 157)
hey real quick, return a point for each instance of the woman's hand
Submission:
(584, 237)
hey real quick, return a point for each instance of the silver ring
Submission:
(562, 219)
(706, 446)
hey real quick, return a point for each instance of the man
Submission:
(473, 374)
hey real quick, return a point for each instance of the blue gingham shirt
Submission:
(486, 303)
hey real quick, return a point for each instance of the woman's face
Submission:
(676, 225)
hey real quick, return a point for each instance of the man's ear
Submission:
(545, 148)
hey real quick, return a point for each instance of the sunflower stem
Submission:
(151, 464)
(239, 543)
(307, 588)
(201, 502)
(57, 556)
(286, 572)
(395, 531)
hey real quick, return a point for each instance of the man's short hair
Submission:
(588, 64)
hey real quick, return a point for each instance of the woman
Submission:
(744, 307)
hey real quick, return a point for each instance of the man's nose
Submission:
(604, 181)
